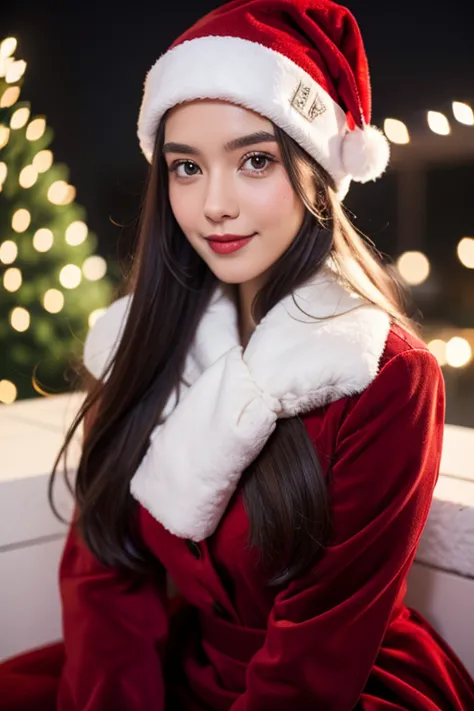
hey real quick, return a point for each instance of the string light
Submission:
(414, 267)
(20, 319)
(53, 301)
(28, 176)
(70, 195)
(463, 113)
(465, 252)
(8, 392)
(5, 64)
(21, 220)
(94, 267)
(70, 276)
(458, 352)
(15, 71)
(438, 348)
(4, 135)
(36, 129)
(20, 118)
(43, 239)
(61, 193)
(438, 123)
(12, 279)
(8, 252)
(9, 97)
(76, 233)
(396, 131)
(8, 46)
(43, 161)
(3, 174)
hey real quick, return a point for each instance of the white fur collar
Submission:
(292, 364)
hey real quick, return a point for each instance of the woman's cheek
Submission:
(274, 196)
(181, 205)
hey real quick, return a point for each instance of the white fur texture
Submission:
(103, 339)
(448, 538)
(219, 424)
(365, 153)
(250, 75)
(196, 457)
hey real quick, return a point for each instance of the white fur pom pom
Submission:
(365, 153)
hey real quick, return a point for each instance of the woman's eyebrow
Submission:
(241, 142)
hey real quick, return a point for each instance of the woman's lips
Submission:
(227, 246)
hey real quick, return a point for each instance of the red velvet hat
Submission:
(299, 63)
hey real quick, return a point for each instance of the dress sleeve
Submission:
(114, 639)
(325, 629)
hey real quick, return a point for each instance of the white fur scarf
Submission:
(215, 428)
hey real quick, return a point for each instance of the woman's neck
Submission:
(246, 294)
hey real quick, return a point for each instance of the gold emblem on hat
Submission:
(307, 102)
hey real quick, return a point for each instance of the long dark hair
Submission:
(285, 488)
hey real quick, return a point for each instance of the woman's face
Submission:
(224, 180)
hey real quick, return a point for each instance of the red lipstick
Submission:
(226, 244)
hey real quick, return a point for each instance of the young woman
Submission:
(264, 423)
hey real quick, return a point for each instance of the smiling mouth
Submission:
(226, 244)
(228, 238)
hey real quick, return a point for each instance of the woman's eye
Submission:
(257, 163)
(185, 169)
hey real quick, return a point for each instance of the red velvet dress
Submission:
(336, 639)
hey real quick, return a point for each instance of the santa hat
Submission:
(299, 63)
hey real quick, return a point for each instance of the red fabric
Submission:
(339, 638)
(114, 639)
(30, 681)
(319, 36)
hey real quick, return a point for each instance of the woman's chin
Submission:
(234, 273)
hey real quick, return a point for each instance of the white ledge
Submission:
(32, 432)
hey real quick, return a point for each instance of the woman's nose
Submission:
(220, 200)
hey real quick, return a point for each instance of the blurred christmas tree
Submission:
(52, 286)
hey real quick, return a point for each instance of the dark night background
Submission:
(87, 63)
(86, 67)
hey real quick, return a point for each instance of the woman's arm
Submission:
(325, 629)
(114, 640)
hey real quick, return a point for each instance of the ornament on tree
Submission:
(52, 284)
